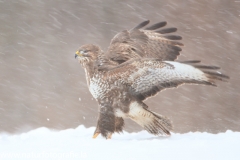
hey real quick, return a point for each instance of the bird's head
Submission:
(87, 53)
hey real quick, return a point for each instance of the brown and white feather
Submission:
(138, 64)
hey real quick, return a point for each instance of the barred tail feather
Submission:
(153, 122)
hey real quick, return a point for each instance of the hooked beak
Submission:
(77, 54)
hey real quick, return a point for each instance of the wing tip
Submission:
(156, 25)
(190, 61)
(167, 30)
(210, 71)
(141, 25)
(173, 37)
(217, 76)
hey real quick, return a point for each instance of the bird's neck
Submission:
(103, 63)
(93, 67)
(90, 69)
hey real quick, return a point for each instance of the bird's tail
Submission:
(153, 122)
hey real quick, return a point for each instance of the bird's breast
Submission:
(98, 87)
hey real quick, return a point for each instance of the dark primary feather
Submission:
(166, 30)
(216, 76)
(141, 25)
(156, 26)
(173, 37)
(196, 65)
(206, 67)
(190, 61)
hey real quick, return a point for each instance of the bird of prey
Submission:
(138, 64)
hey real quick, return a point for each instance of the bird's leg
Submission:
(97, 131)
(108, 137)
(106, 122)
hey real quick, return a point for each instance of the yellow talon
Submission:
(109, 136)
(95, 135)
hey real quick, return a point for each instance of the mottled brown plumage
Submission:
(145, 43)
(138, 64)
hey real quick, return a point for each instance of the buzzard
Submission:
(138, 64)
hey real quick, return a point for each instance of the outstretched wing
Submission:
(150, 42)
(146, 77)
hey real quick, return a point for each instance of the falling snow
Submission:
(41, 83)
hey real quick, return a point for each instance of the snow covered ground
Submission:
(71, 144)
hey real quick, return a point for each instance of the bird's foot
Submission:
(95, 135)
(109, 136)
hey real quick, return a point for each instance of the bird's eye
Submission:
(82, 52)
